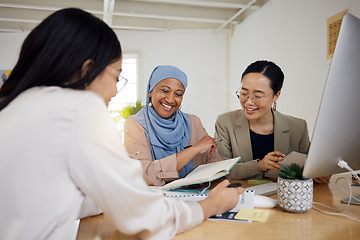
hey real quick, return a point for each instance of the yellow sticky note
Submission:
(260, 215)
(255, 215)
(244, 214)
(258, 181)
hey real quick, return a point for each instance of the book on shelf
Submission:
(205, 173)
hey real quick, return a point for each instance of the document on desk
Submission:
(293, 157)
(186, 196)
(246, 201)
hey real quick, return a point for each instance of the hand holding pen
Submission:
(205, 143)
(190, 151)
(216, 140)
(270, 161)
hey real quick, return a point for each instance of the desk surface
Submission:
(280, 225)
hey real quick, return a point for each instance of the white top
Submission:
(59, 146)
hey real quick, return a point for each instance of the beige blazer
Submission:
(290, 134)
(160, 171)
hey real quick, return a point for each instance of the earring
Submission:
(150, 104)
(274, 106)
(179, 109)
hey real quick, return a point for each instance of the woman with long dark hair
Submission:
(61, 154)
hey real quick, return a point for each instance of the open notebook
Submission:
(246, 200)
(204, 173)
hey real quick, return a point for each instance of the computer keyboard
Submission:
(266, 189)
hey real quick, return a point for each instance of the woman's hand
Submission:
(221, 199)
(184, 156)
(322, 179)
(270, 161)
(204, 144)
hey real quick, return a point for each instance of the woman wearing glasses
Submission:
(258, 133)
(60, 151)
(168, 142)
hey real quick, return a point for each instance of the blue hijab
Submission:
(166, 136)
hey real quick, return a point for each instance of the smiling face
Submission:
(105, 83)
(256, 97)
(166, 97)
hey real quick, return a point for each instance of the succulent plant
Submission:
(292, 171)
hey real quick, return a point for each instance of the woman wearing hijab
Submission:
(168, 142)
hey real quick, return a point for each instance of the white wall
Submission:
(200, 54)
(10, 44)
(292, 34)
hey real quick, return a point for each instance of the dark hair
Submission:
(269, 70)
(55, 51)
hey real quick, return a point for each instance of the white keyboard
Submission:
(266, 189)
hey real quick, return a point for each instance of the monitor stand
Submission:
(353, 201)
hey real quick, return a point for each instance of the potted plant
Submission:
(295, 193)
(127, 111)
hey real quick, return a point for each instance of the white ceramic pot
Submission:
(295, 195)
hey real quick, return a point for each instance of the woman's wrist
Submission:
(185, 156)
(208, 208)
(257, 164)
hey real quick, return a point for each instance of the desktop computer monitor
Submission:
(336, 134)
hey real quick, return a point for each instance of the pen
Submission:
(217, 140)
